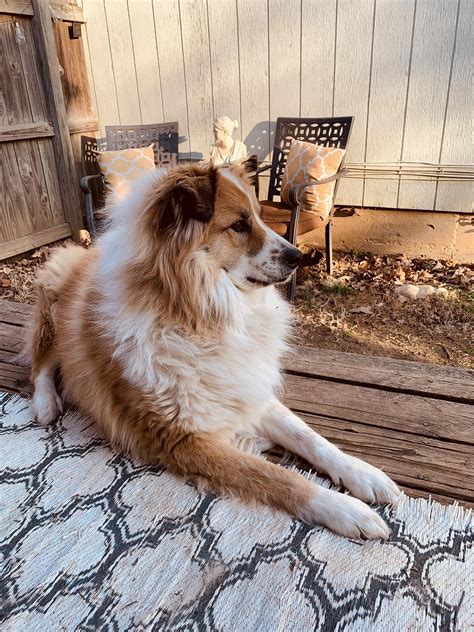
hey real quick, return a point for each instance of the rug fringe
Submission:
(453, 516)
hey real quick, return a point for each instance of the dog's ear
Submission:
(187, 195)
(195, 196)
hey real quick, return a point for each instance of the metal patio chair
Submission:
(164, 137)
(290, 221)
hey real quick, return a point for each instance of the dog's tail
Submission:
(40, 345)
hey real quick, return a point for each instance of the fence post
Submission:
(66, 169)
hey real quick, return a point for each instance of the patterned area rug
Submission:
(91, 541)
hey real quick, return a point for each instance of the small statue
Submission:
(225, 149)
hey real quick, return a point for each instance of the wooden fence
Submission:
(40, 196)
(402, 67)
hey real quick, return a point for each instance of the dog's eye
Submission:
(241, 226)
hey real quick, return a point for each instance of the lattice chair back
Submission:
(89, 146)
(328, 132)
(164, 137)
(90, 167)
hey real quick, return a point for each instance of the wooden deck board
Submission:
(443, 382)
(414, 420)
(412, 460)
(399, 411)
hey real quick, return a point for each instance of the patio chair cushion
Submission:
(277, 216)
(119, 168)
(307, 161)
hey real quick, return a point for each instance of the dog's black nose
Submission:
(292, 256)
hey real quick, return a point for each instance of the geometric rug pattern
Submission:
(91, 541)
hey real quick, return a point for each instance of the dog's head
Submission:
(213, 214)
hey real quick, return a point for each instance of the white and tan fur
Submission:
(169, 333)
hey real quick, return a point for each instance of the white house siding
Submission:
(403, 68)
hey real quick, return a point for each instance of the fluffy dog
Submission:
(169, 333)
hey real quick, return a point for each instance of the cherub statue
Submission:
(225, 149)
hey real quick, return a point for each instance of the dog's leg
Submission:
(251, 478)
(46, 403)
(363, 480)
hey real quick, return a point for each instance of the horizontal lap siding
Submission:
(401, 67)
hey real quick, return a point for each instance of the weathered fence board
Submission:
(39, 113)
(41, 201)
(65, 165)
(23, 131)
(12, 80)
(77, 95)
(33, 183)
(14, 218)
(34, 240)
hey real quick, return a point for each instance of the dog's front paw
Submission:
(366, 481)
(47, 406)
(345, 516)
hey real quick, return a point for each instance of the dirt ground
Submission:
(356, 309)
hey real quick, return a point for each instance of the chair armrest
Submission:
(84, 182)
(295, 191)
(260, 169)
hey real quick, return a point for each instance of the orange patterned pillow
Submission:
(311, 162)
(119, 168)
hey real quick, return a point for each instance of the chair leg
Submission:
(291, 289)
(328, 248)
(90, 219)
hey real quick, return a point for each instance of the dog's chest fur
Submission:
(207, 385)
